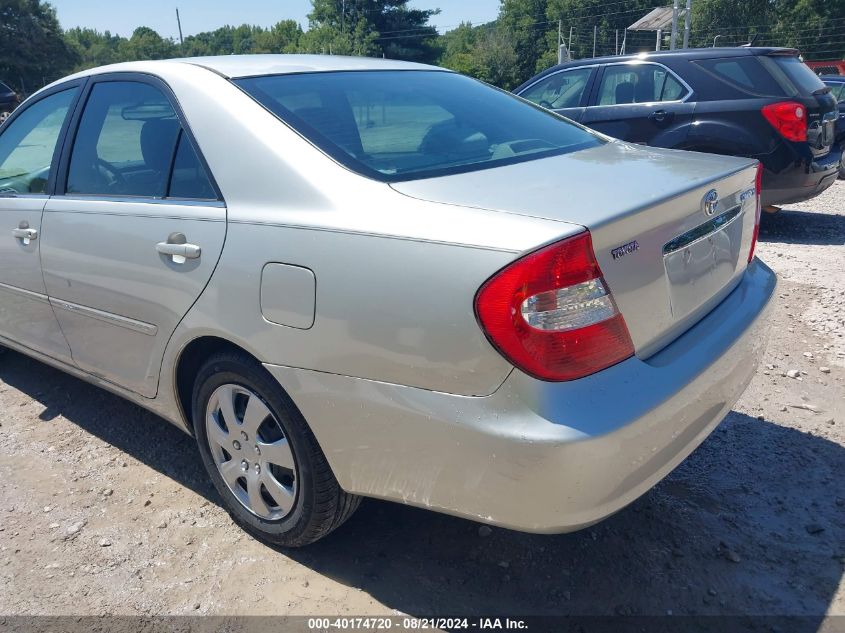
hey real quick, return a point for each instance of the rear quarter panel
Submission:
(395, 277)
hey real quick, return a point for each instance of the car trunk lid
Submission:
(666, 258)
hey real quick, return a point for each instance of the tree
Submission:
(459, 49)
(93, 48)
(372, 27)
(145, 43)
(497, 59)
(583, 15)
(32, 50)
(525, 24)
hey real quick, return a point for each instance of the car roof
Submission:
(238, 66)
(683, 53)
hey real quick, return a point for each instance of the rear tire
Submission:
(262, 457)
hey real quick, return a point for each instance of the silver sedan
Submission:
(364, 278)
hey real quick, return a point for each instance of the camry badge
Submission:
(625, 249)
(710, 202)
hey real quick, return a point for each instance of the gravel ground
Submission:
(105, 509)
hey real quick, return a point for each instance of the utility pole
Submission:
(559, 42)
(675, 9)
(595, 32)
(179, 24)
(617, 41)
(659, 37)
(687, 20)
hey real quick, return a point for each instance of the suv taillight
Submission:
(551, 314)
(758, 185)
(789, 118)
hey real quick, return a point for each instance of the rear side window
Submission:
(560, 90)
(125, 142)
(647, 83)
(765, 75)
(401, 125)
(792, 74)
(189, 179)
(129, 142)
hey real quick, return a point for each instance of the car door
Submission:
(134, 231)
(565, 91)
(641, 103)
(28, 153)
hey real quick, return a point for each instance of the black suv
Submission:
(763, 103)
(836, 83)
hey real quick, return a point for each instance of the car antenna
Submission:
(753, 39)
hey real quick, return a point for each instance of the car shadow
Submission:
(802, 227)
(752, 523)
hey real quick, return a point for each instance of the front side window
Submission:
(837, 90)
(560, 90)
(27, 144)
(401, 125)
(125, 142)
(646, 83)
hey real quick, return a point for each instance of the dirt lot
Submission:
(105, 508)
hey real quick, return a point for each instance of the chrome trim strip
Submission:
(29, 294)
(702, 231)
(106, 317)
(630, 62)
(637, 62)
(183, 202)
(26, 196)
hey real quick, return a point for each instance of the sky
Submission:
(122, 16)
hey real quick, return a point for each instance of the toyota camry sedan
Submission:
(355, 278)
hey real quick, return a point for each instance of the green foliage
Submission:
(484, 52)
(372, 27)
(519, 43)
(282, 37)
(32, 50)
(524, 24)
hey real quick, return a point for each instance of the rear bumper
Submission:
(537, 456)
(800, 180)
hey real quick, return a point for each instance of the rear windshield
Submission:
(765, 75)
(403, 125)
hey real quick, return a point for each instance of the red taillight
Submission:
(758, 185)
(789, 118)
(551, 314)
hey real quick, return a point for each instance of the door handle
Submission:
(659, 116)
(25, 234)
(178, 248)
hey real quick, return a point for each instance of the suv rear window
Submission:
(765, 75)
(745, 73)
(792, 74)
(404, 125)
